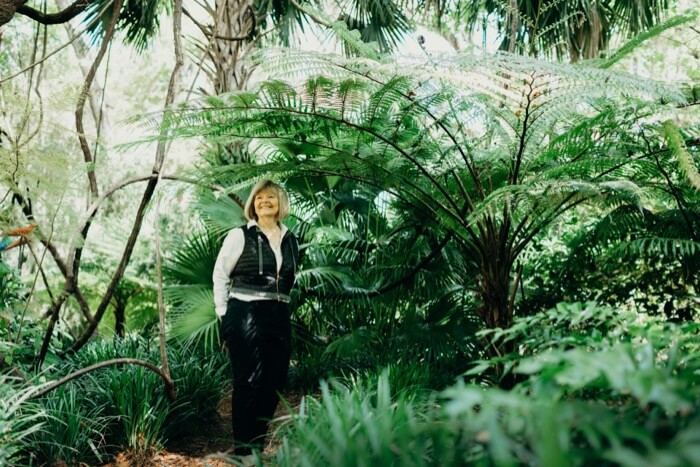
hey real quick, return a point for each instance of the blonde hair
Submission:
(282, 199)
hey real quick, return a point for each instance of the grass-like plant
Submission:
(364, 424)
(73, 430)
(19, 420)
(201, 380)
(126, 407)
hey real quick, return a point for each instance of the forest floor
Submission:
(208, 447)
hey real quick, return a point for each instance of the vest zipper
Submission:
(260, 255)
(277, 281)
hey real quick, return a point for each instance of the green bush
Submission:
(597, 386)
(364, 426)
(127, 406)
(73, 429)
(19, 419)
(200, 381)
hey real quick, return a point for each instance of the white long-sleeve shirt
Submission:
(228, 257)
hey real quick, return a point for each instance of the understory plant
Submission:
(596, 386)
(19, 420)
(126, 407)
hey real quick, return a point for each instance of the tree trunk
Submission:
(119, 317)
(85, 59)
(495, 291)
(234, 29)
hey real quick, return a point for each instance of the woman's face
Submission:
(266, 203)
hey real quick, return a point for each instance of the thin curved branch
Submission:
(150, 187)
(80, 106)
(117, 361)
(55, 18)
(92, 210)
(70, 41)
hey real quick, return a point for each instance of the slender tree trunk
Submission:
(85, 59)
(173, 87)
(161, 305)
(119, 317)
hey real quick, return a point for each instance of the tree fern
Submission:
(489, 150)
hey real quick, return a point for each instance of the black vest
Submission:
(256, 269)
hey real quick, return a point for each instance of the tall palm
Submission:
(237, 27)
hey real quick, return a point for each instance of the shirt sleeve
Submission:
(229, 254)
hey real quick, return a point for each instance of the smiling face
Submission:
(266, 203)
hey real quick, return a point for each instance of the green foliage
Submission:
(189, 270)
(18, 421)
(138, 19)
(556, 28)
(134, 398)
(126, 407)
(200, 380)
(11, 287)
(73, 429)
(612, 385)
(361, 425)
(598, 386)
(487, 151)
(643, 258)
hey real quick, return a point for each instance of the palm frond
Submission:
(192, 262)
(139, 20)
(193, 319)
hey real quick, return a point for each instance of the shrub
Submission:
(126, 404)
(598, 386)
(364, 425)
(200, 380)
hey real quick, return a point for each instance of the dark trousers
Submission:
(258, 336)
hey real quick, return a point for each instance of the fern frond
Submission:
(631, 45)
(675, 141)
(671, 247)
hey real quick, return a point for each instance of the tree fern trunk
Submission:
(495, 290)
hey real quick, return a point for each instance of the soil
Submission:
(208, 447)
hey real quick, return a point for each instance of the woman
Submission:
(253, 275)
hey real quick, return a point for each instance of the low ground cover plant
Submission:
(596, 386)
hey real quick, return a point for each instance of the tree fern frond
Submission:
(685, 160)
(671, 247)
(631, 45)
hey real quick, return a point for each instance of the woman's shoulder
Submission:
(236, 232)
